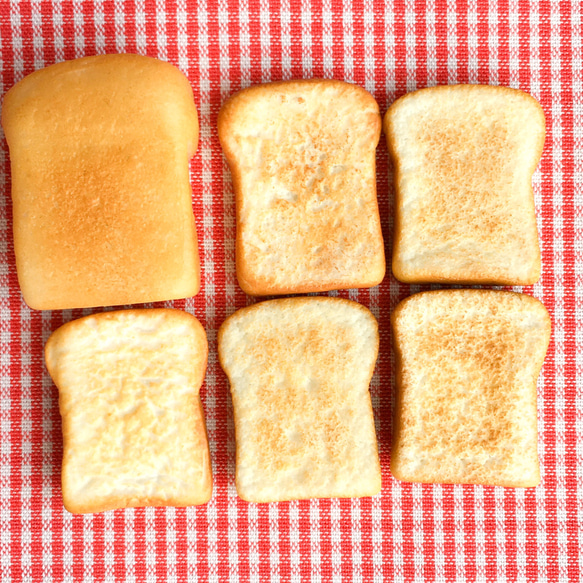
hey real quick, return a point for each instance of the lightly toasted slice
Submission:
(464, 156)
(133, 424)
(102, 205)
(302, 159)
(299, 371)
(467, 368)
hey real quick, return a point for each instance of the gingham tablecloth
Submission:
(410, 532)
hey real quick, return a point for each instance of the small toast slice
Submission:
(302, 158)
(99, 151)
(133, 424)
(464, 156)
(467, 367)
(300, 370)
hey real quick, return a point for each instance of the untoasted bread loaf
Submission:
(464, 156)
(467, 367)
(302, 157)
(99, 152)
(299, 371)
(133, 425)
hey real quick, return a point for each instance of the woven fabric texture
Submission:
(410, 532)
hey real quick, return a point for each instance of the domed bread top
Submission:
(99, 151)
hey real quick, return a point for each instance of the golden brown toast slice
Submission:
(133, 424)
(467, 366)
(463, 157)
(302, 158)
(299, 371)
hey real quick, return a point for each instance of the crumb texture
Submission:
(302, 156)
(133, 426)
(464, 159)
(99, 151)
(300, 371)
(468, 362)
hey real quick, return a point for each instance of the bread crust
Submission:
(467, 363)
(102, 205)
(302, 161)
(299, 371)
(464, 156)
(133, 425)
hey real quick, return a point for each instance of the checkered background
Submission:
(410, 532)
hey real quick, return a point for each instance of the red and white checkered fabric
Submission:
(410, 532)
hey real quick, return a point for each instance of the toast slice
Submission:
(299, 371)
(133, 424)
(302, 158)
(102, 204)
(467, 367)
(463, 157)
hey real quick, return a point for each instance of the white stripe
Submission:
(129, 545)
(472, 41)
(369, 44)
(151, 557)
(417, 500)
(119, 21)
(15, 26)
(410, 58)
(480, 533)
(315, 555)
(493, 41)
(438, 534)
(431, 44)
(274, 560)
(294, 541)
(306, 15)
(182, 38)
(452, 40)
(390, 83)
(67, 546)
(265, 40)
(335, 541)
(397, 518)
(327, 40)
(285, 19)
(244, 42)
(109, 546)
(161, 36)
(78, 21)
(253, 558)
(88, 555)
(458, 517)
(500, 517)
(520, 514)
(559, 287)
(192, 556)
(356, 540)
(140, 23)
(59, 41)
(170, 551)
(513, 43)
(348, 40)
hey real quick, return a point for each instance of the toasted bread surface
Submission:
(133, 425)
(299, 371)
(464, 156)
(302, 159)
(99, 151)
(467, 367)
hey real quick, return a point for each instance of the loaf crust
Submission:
(302, 160)
(464, 156)
(99, 150)
(133, 425)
